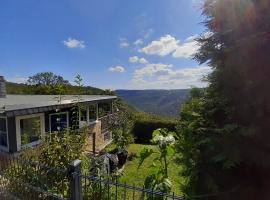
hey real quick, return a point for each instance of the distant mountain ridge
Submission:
(159, 102)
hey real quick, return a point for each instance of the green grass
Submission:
(133, 175)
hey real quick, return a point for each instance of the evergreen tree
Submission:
(228, 126)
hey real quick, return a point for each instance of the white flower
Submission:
(158, 138)
(163, 141)
(169, 139)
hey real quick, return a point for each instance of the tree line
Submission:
(48, 83)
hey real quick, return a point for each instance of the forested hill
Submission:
(160, 102)
(15, 88)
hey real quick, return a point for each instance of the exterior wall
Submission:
(101, 140)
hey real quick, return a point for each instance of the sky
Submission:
(112, 44)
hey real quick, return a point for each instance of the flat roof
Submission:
(21, 102)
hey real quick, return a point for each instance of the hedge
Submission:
(145, 124)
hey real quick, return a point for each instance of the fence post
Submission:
(94, 143)
(75, 180)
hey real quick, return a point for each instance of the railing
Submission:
(105, 122)
(23, 179)
(106, 189)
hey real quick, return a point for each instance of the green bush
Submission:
(145, 124)
(39, 167)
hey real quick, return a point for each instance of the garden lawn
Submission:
(133, 175)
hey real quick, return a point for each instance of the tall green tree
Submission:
(47, 78)
(228, 126)
(46, 83)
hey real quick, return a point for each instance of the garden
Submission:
(132, 175)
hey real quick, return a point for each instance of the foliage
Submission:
(40, 167)
(47, 78)
(15, 88)
(46, 83)
(59, 150)
(224, 132)
(145, 124)
(121, 124)
(159, 180)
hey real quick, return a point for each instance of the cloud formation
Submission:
(162, 47)
(187, 49)
(123, 43)
(138, 42)
(163, 76)
(170, 45)
(17, 79)
(74, 43)
(117, 69)
(136, 59)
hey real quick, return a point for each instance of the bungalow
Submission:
(25, 119)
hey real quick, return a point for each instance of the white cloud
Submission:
(117, 69)
(133, 59)
(143, 61)
(169, 45)
(74, 43)
(162, 47)
(163, 76)
(136, 59)
(187, 49)
(123, 43)
(138, 42)
(17, 79)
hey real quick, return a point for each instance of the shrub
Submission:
(40, 167)
(145, 124)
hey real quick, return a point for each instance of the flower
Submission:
(163, 141)
(169, 139)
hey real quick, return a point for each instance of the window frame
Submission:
(6, 149)
(51, 114)
(18, 129)
(96, 118)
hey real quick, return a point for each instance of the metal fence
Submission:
(106, 189)
(23, 179)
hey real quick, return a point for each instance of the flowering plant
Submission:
(159, 180)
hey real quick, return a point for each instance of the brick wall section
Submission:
(100, 142)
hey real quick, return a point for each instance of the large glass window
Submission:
(83, 114)
(104, 109)
(3, 131)
(30, 129)
(58, 121)
(92, 113)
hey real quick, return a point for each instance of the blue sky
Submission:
(116, 44)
